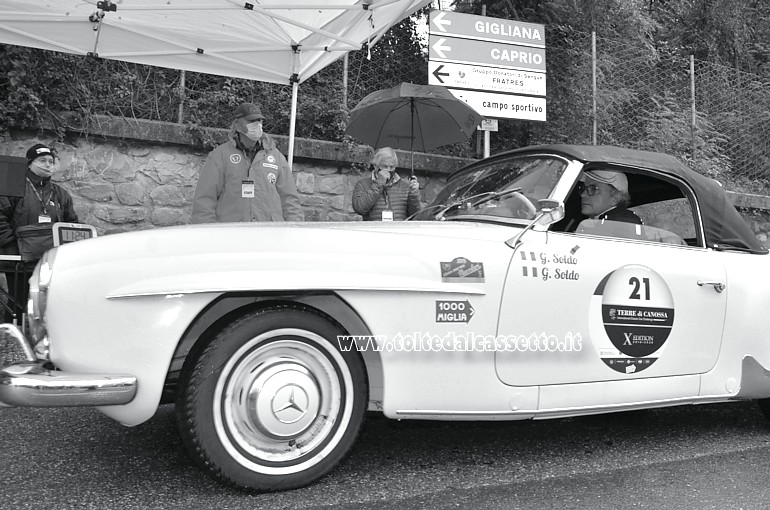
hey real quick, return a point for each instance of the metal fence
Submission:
(712, 117)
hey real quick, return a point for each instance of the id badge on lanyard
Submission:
(247, 189)
(387, 215)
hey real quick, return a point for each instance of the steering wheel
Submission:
(519, 205)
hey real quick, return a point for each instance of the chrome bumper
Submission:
(29, 384)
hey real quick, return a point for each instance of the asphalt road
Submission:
(709, 456)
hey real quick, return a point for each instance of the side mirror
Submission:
(549, 211)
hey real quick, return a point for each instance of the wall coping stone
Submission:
(189, 135)
(749, 201)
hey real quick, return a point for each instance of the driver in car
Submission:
(604, 199)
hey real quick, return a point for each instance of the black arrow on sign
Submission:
(439, 74)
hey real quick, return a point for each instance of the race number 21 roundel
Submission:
(637, 315)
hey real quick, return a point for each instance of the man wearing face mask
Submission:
(246, 178)
(44, 203)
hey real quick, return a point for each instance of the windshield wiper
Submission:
(494, 195)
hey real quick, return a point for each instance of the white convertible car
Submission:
(498, 302)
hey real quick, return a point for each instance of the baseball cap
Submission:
(38, 150)
(617, 180)
(248, 112)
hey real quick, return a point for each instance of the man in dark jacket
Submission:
(44, 203)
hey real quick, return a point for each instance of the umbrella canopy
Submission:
(275, 41)
(413, 117)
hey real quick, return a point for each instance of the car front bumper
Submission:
(30, 383)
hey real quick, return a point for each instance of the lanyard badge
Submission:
(247, 189)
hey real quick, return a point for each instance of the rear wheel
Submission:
(272, 403)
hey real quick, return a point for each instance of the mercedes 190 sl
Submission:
(501, 300)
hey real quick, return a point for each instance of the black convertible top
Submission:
(724, 228)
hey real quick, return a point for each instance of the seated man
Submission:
(604, 199)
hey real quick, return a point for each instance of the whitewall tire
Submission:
(272, 403)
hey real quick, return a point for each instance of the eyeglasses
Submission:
(589, 190)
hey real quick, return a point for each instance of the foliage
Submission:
(728, 32)
(70, 89)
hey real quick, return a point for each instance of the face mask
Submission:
(42, 169)
(246, 141)
(254, 130)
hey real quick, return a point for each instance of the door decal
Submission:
(632, 315)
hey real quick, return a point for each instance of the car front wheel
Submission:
(272, 403)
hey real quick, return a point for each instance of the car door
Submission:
(586, 308)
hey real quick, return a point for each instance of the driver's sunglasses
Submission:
(589, 190)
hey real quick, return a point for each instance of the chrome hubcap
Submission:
(278, 403)
(284, 399)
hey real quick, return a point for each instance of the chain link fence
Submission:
(737, 106)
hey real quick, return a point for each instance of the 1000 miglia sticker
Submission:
(631, 317)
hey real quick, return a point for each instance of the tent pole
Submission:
(294, 80)
(411, 133)
(293, 121)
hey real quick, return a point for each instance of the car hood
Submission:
(283, 256)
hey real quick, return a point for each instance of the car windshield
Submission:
(508, 188)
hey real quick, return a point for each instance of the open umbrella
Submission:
(413, 117)
(266, 40)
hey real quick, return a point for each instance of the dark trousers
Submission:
(18, 291)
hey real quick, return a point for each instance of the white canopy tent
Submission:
(276, 41)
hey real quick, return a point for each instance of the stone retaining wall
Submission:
(136, 175)
(142, 174)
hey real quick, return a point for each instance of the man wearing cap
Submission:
(246, 178)
(44, 203)
(604, 200)
(604, 196)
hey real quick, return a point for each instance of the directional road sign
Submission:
(495, 65)
(486, 53)
(491, 79)
(504, 106)
(486, 29)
